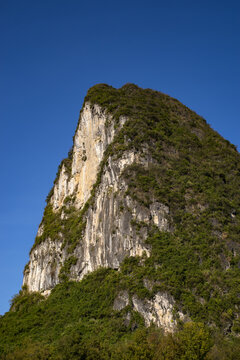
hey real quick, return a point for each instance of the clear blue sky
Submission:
(52, 51)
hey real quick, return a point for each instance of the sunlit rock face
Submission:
(109, 235)
(158, 310)
(91, 140)
(44, 266)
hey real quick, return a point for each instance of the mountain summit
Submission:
(143, 224)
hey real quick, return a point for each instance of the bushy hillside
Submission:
(196, 173)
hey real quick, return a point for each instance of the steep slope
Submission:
(150, 190)
(105, 236)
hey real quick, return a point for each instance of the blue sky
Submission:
(52, 51)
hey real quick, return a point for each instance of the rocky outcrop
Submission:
(110, 233)
(45, 262)
(94, 133)
(158, 311)
(121, 301)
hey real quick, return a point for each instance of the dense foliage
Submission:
(77, 321)
(196, 173)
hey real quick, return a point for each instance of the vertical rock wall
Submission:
(110, 234)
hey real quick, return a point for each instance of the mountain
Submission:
(138, 252)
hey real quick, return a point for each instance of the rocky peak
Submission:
(109, 234)
(150, 190)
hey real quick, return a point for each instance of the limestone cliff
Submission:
(141, 227)
(110, 233)
(150, 190)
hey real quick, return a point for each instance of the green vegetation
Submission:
(196, 173)
(77, 321)
(65, 270)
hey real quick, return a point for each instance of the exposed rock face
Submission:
(110, 233)
(90, 141)
(159, 311)
(44, 266)
(121, 301)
